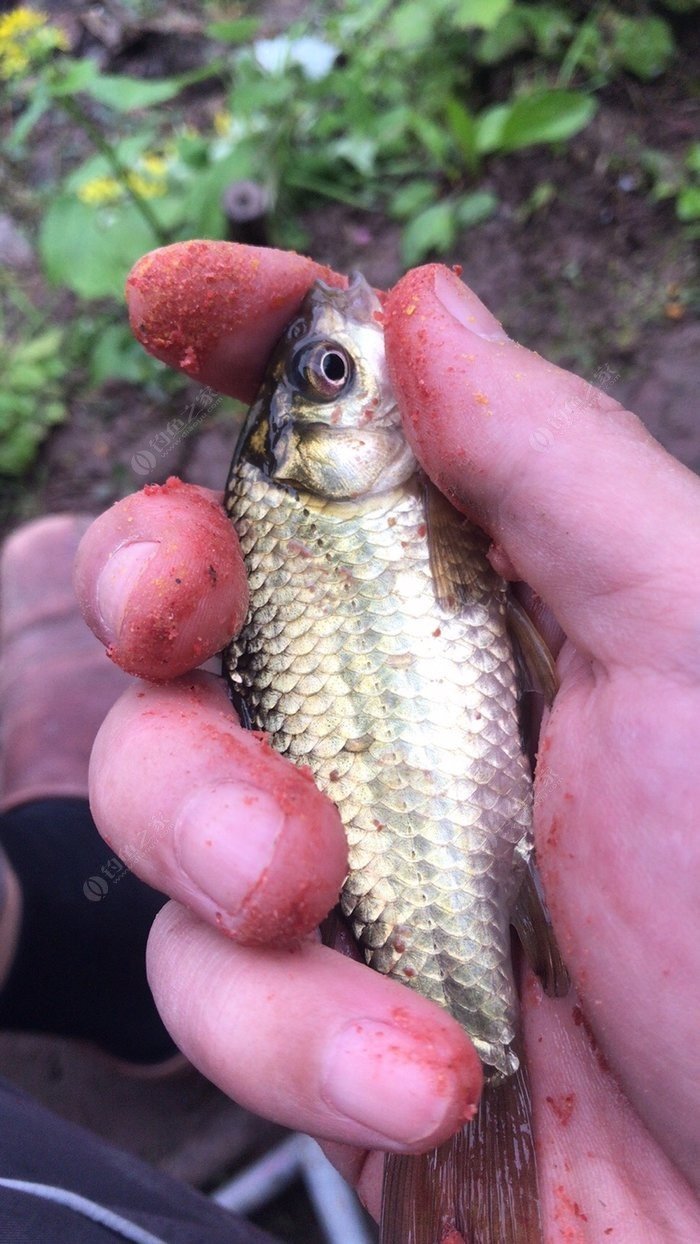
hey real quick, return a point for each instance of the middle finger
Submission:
(209, 813)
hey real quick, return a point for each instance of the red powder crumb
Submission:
(334, 775)
(566, 1213)
(532, 989)
(562, 1107)
(189, 360)
(457, 269)
(580, 1021)
(437, 632)
(553, 832)
(422, 530)
(450, 1235)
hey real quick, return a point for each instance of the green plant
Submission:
(676, 179)
(313, 114)
(391, 105)
(31, 399)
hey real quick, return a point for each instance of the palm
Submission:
(614, 834)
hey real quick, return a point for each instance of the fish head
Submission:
(325, 422)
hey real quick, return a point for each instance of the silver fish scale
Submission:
(406, 714)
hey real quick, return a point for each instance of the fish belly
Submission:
(406, 713)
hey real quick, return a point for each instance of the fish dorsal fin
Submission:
(457, 550)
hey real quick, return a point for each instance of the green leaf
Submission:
(201, 198)
(692, 159)
(479, 14)
(688, 203)
(71, 76)
(39, 348)
(412, 198)
(643, 45)
(508, 36)
(475, 208)
(550, 27)
(40, 101)
(411, 24)
(125, 94)
(489, 128)
(433, 230)
(546, 117)
(681, 6)
(91, 250)
(115, 353)
(127, 150)
(463, 127)
(358, 151)
(239, 31)
(433, 138)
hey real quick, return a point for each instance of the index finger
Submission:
(216, 309)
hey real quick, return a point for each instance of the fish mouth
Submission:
(358, 300)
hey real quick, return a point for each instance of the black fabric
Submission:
(36, 1145)
(80, 969)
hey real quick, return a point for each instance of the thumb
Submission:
(589, 509)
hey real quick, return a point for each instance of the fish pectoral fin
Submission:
(480, 1187)
(457, 549)
(533, 924)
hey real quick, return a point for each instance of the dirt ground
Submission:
(601, 280)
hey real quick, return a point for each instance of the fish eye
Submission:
(322, 370)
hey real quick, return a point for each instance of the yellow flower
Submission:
(222, 123)
(100, 190)
(145, 188)
(149, 180)
(20, 22)
(25, 39)
(154, 164)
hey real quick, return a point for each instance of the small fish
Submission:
(377, 652)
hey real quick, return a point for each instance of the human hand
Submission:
(262, 1022)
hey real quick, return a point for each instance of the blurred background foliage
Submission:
(398, 107)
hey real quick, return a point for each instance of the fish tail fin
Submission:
(480, 1187)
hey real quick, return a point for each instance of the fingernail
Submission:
(225, 837)
(466, 308)
(117, 581)
(374, 1077)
